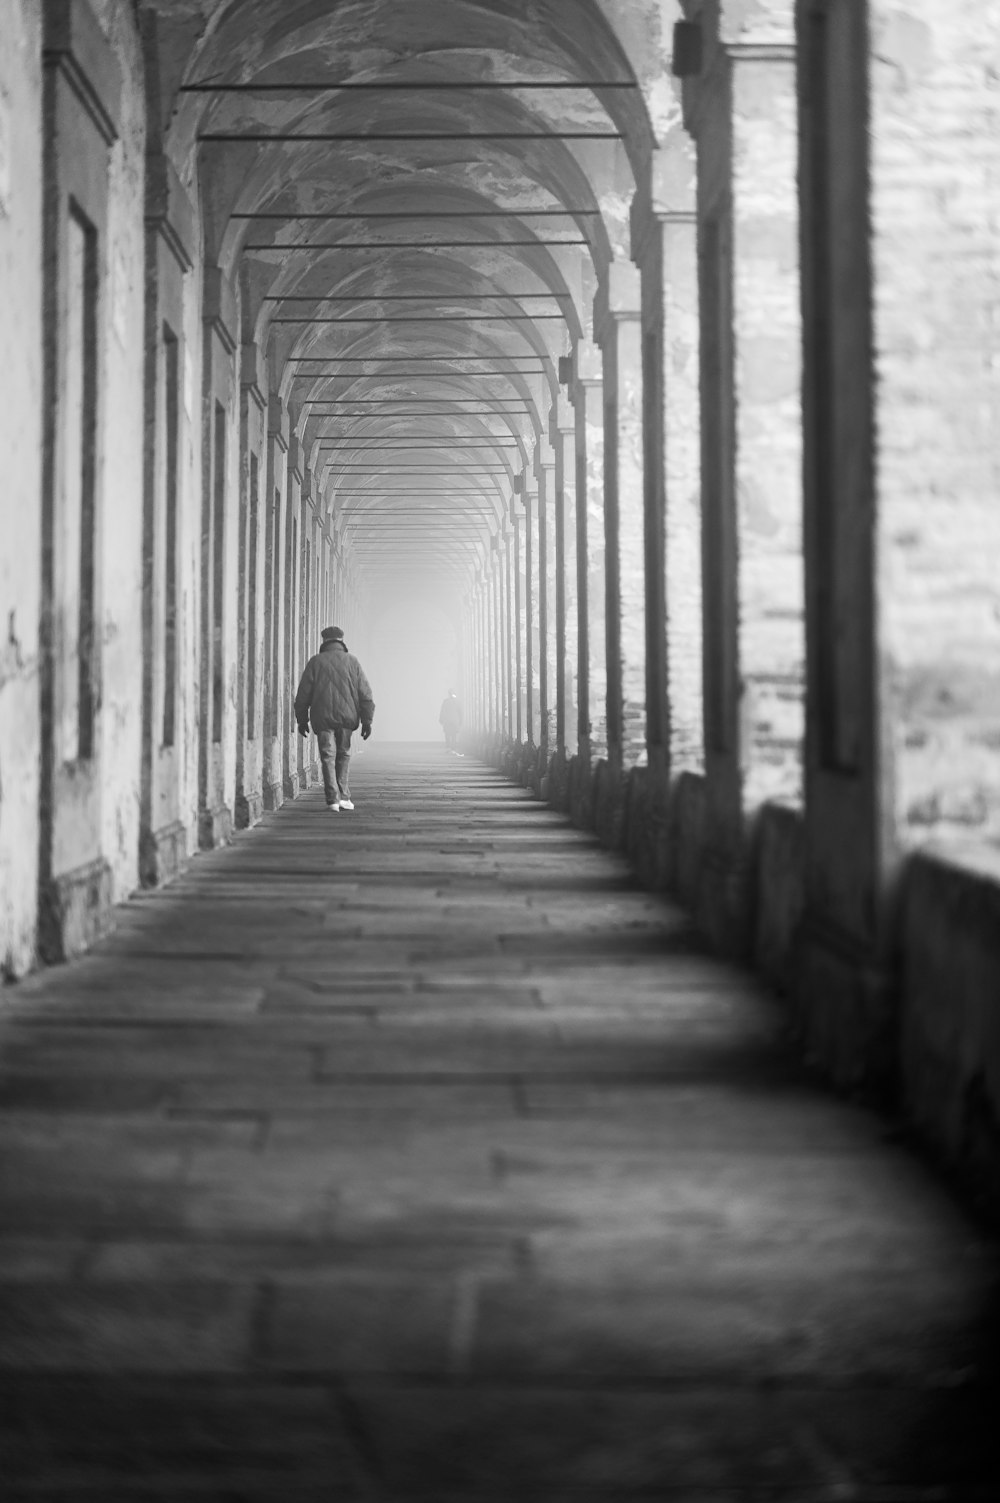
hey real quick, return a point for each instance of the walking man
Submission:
(450, 719)
(335, 697)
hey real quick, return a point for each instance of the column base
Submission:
(75, 911)
(215, 827)
(249, 808)
(650, 823)
(310, 776)
(162, 854)
(581, 791)
(273, 796)
(844, 1009)
(609, 802)
(722, 905)
(558, 780)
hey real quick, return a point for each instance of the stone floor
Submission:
(415, 1154)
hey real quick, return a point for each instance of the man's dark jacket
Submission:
(333, 693)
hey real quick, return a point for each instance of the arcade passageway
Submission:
(632, 369)
(429, 1158)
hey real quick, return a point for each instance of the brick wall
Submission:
(935, 143)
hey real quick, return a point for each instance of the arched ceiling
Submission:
(417, 199)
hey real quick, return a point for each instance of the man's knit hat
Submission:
(332, 634)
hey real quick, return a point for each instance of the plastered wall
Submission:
(20, 443)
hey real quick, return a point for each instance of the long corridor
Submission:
(417, 1154)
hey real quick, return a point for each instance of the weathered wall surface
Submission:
(121, 530)
(950, 1008)
(935, 143)
(20, 444)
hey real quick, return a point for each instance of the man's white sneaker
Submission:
(335, 808)
(345, 803)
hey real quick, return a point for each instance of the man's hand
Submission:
(303, 730)
(366, 731)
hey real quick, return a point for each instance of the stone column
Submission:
(562, 431)
(489, 639)
(482, 661)
(276, 595)
(170, 254)
(335, 592)
(531, 605)
(496, 561)
(742, 114)
(510, 642)
(473, 696)
(521, 718)
(592, 675)
(618, 330)
(664, 246)
(468, 660)
(486, 647)
(545, 478)
(901, 385)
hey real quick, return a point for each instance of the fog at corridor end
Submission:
(410, 654)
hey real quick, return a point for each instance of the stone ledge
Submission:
(75, 911)
(215, 827)
(949, 934)
(249, 808)
(162, 854)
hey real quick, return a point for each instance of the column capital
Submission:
(618, 300)
(169, 209)
(526, 485)
(725, 35)
(561, 419)
(253, 374)
(545, 458)
(277, 420)
(218, 308)
(667, 196)
(588, 365)
(295, 459)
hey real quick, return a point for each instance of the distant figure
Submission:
(335, 696)
(451, 719)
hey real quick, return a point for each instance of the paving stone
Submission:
(268, 1441)
(146, 1327)
(422, 1158)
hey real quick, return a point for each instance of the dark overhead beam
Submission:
(404, 492)
(423, 511)
(405, 442)
(447, 469)
(432, 318)
(224, 137)
(337, 245)
(290, 215)
(393, 442)
(389, 85)
(370, 522)
(409, 359)
(385, 521)
(426, 402)
(459, 412)
(444, 469)
(510, 402)
(404, 297)
(419, 375)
